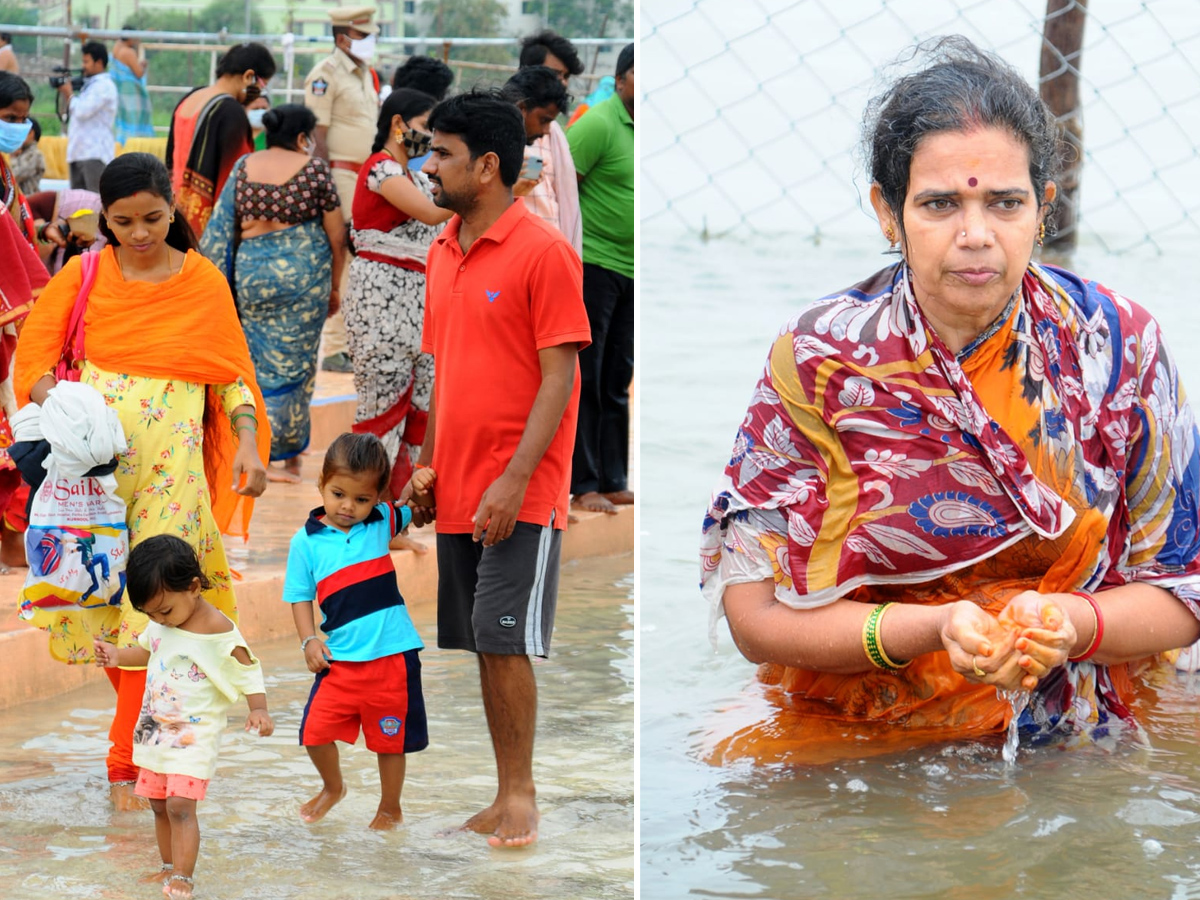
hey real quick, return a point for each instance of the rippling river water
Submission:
(60, 839)
(947, 822)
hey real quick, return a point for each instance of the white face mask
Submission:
(363, 49)
(310, 146)
(256, 116)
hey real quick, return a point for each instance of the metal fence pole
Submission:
(1062, 49)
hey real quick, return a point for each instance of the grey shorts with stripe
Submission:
(499, 599)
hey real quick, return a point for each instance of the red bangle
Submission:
(1098, 636)
(419, 466)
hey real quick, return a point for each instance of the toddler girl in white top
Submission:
(197, 665)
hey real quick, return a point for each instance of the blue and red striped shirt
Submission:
(351, 577)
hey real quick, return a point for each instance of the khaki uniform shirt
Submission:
(344, 100)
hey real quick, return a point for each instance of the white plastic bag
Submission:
(76, 544)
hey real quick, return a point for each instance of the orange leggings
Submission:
(130, 685)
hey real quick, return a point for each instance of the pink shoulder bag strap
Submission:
(72, 355)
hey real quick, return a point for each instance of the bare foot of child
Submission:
(124, 799)
(386, 819)
(322, 803)
(178, 887)
(158, 876)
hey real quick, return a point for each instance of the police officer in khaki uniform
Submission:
(343, 93)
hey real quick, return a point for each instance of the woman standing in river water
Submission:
(967, 472)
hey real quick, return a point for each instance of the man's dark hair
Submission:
(625, 60)
(255, 57)
(537, 86)
(6, 37)
(425, 74)
(534, 48)
(487, 122)
(97, 51)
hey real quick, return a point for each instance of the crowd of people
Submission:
(466, 228)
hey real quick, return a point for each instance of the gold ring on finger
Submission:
(975, 665)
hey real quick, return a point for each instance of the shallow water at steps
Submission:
(60, 838)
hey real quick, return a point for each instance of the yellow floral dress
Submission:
(161, 479)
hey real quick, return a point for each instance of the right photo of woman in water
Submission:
(920, 551)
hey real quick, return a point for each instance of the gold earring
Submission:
(1041, 234)
(890, 234)
(171, 220)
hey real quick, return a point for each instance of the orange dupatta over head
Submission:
(185, 328)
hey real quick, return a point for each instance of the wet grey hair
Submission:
(960, 88)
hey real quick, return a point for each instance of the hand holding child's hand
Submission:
(106, 654)
(316, 655)
(418, 494)
(261, 720)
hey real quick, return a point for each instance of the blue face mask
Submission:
(12, 135)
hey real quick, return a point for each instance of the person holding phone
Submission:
(547, 180)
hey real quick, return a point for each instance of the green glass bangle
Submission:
(872, 645)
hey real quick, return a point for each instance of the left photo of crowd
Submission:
(316, 353)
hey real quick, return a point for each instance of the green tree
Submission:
(470, 18)
(11, 14)
(586, 18)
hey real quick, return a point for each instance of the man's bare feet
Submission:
(158, 876)
(178, 887)
(594, 502)
(404, 542)
(386, 819)
(512, 823)
(124, 799)
(289, 473)
(322, 803)
(620, 498)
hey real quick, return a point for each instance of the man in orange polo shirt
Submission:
(504, 320)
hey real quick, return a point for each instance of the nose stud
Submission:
(964, 234)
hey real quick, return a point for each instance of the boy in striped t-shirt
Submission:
(368, 673)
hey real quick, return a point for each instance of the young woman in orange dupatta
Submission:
(164, 347)
(967, 473)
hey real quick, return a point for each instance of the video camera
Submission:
(62, 74)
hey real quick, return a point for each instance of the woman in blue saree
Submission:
(277, 232)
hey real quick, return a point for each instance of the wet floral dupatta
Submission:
(900, 471)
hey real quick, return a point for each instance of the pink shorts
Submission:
(157, 786)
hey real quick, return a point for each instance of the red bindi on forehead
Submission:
(972, 181)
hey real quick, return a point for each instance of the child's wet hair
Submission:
(358, 454)
(158, 564)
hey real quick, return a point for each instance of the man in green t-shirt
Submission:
(602, 149)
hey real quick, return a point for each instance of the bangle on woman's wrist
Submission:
(873, 646)
(304, 643)
(1097, 634)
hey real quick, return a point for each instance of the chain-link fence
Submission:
(179, 61)
(752, 109)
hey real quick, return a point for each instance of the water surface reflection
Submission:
(59, 837)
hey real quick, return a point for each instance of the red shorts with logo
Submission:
(380, 697)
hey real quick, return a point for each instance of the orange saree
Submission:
(185, 328)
